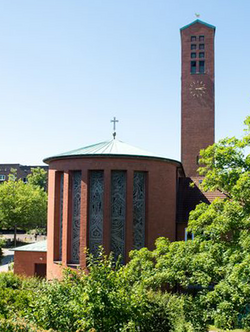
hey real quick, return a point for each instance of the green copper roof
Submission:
(108, 148)
(201, 22)
(40, 246)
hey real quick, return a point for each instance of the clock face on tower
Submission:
(197, 89)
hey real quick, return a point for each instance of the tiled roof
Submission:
(40, 246)
(190, 196)
(210, 195)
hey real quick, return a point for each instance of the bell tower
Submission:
(197, 92)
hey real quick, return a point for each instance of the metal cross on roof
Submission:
(114, 126)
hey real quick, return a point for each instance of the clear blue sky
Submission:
(68, 66)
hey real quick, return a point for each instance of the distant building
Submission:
(30, 260)
(22, 171)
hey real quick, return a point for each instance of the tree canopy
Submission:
(22, 205)
(38, 177)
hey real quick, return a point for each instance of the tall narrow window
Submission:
(201, 67)
(201, 55)
(201, 38)
(61, 216)
(201, 47)
(193, 46)
(193, 38)
(139, 209)
(96, 211)
(76, 212)
(118, 214)
(193, 55)
(193, 67)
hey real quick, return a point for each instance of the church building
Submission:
(115, 195)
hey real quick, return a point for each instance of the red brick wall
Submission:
(24, 262)
(197, 115)
(161, 203)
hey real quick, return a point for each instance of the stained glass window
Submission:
(118, 214)
(139, 206)
(61, 216)
(76, 211)
(96, 211)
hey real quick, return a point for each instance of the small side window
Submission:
(193, 55)
(201, 46)
(188, 235)
(193, 46)
(193, 38)
(201, 38)
(201, 55)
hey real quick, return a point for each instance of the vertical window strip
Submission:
(76, 213)
(201, 67)
(96, 211)
(118, 214)
(193, 67)
(139, 209)
(61, 215)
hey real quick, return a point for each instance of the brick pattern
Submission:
(24, 262)
(197, 112)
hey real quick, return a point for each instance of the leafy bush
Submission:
(106, 300)
(19, 325)
(16, 294)
(103, 300)
(10, 280)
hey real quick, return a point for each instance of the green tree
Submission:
(38, 177)
(215, 266)
(22, 205)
